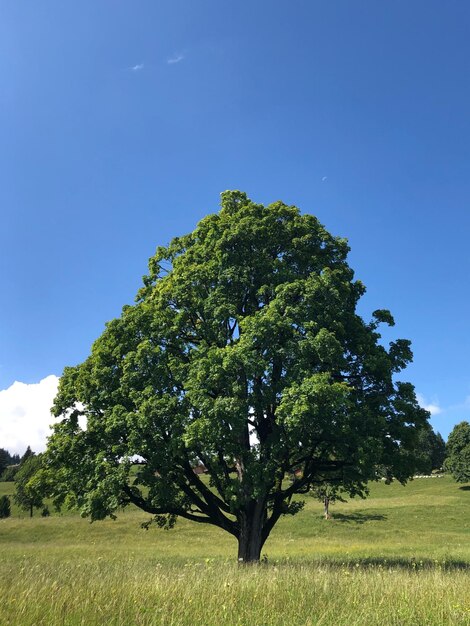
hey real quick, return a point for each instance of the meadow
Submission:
(400, 557)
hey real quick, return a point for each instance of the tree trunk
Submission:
(30, 510)
(326, 504)
(250, 538)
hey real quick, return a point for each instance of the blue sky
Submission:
(121, 122)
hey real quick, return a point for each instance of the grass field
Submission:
(400, 557)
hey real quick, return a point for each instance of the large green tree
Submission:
(244, 353)
(458, 453)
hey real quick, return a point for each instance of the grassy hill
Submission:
(400, 557)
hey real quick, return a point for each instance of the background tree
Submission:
(28, 452)
(431, 450)
(4, 460)
(28, 491)
(327, 493)
(458, 453)
(14, 459)
(9, 473)
(244, 353)
(5, 507)
(438, 451)
(8, 463)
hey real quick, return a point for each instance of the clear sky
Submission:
(121, 122)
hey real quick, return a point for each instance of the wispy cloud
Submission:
(138, 67)
(461, 406)
(176, 58)
(433, 407)
(324, 179)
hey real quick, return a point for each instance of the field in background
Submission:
(400, 557)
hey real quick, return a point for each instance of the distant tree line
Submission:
(7, 459)
(11, 463)
(431, 450)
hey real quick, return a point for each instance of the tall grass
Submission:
(126, 592)
(401, 557)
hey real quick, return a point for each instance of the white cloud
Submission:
(432, 407)
(175, 59)
(25, 415)
(136, 68)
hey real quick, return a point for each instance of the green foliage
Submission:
(5, 507)
(9, 473)
(458, 453)
(244, 353)
(8, 465)
(28, 452)
(7, 460)
(332, 492)
(438, 451)
(28, 491)
(4, 460)
(431, 450)
(328, 494)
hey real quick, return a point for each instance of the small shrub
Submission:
(5, 508)
(45, 512)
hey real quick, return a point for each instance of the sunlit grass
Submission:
(400, 557)
(129, 591)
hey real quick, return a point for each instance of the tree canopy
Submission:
(28, 488)
(431, 450)
(7, 459)
(243, 353)
(458, 452)
(27, 454)
(4, 459)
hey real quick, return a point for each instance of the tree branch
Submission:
(144, 506)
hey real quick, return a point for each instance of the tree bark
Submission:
(250, 536)
(326, 503)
